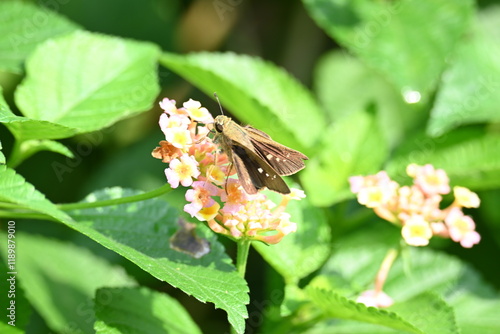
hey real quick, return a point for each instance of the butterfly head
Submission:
(221, 122)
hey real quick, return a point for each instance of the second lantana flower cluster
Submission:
(416, 208)
(195, 162)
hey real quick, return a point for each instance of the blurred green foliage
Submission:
(359, 86)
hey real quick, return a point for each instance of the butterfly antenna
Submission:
(218, 101)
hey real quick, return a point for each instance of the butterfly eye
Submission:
(219, 127)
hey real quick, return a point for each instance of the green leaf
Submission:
(24, 128)
(255, 91)
(60, 280)
(304, 251)
(140, 232)
(408, 41)
(88, 81)
(336, 306)
(353, 268)
(477, 314)
(469, 90)
(29, 147)
(470, 157)
(33, 146)
(344, 85)
(15, 189)
(429, 313)
(23, 27)
(131, 310)
(425, 313)
(351, 146)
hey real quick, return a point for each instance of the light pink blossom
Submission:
(182, 170)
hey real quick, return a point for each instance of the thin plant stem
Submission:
(30, 214)
(25, 215)
(129, 199)
(383, 272)
(242, 256)
(241, 261)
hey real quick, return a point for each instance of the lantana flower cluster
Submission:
(196, 162)
(416, 208)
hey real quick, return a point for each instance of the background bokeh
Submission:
(279, 31)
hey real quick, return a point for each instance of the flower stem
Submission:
(129, 199)
(241, 261)
(13, 210)
(242, 256)
(25, 215)
(391, 255)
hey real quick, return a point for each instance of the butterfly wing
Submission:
(254, 173)
(284, 160)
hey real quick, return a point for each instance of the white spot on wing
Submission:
(269, 156)
(260, 170)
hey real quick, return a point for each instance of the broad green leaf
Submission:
(408, 41)
(344, 85)
(14, 189)
(141, 231)
(469, 89)
(17, 310)
(336, 306)
(477, 314)
(132, 310)
(353, 145)
(60, 280)
(304, 251)
(429, 313)
(333, 326)
(24, 128)
(88, 81)
(425, 313)
(353, 268)
(23, 27)
(255, 91)
(470, 157)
